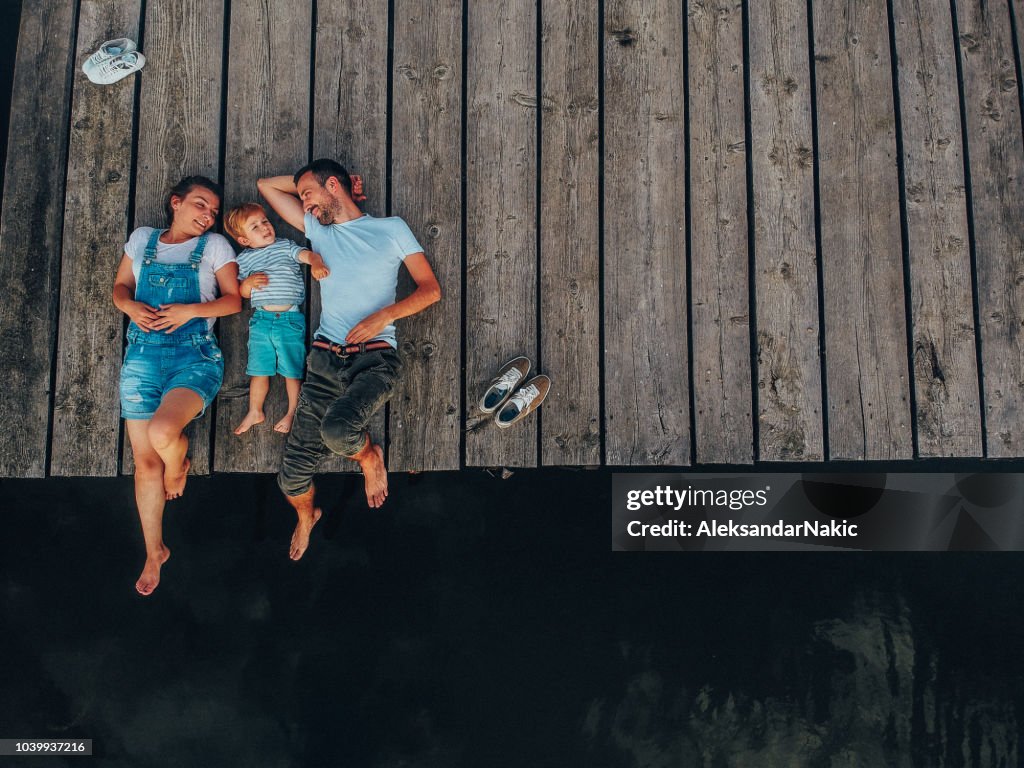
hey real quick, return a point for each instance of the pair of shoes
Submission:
(513, 402)
(115, 60)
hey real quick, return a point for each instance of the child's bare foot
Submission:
(151, 572)
(252, 418)
(174, 485)
(375, 475)
(285, 424)
(300, 538)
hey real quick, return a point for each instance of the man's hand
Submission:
(357, 188)
(173, 316)
(369, 327)
(142, 315)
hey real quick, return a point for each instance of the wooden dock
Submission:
(783, 230)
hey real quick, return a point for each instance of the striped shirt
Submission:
(279, 262)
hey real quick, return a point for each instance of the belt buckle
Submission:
(339, 350)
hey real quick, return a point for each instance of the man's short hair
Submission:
(322, 170)
(237, 216)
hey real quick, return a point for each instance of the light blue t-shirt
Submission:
(363, 256)
(279, 262)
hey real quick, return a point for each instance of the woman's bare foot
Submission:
(285, 424)
(151, 571)
(252, 418)
(174, 485)
(375, 475)
(300, 538)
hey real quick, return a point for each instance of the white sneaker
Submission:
(107, 51)
(117, 68)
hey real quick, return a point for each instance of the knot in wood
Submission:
(428, 349)
(440, 72)
(433, 230)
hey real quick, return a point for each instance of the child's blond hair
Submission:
(234, 222)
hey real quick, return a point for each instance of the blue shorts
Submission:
(150, 371)
(277, 344)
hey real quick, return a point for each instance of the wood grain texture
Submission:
(350, 120)
(570, 233)
(86, 407)
(179, 131)
(785, 260)
(31, 231)
(718, 235)
(426, 177)
(865, 321)
(501, 217)
(945, 361)
(267, 134)
(992, 105)
(646, 387)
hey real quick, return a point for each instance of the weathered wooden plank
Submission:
(992, 108)
(501, 216)
(86, 410)
(788, 362)
(718, 235)
(267, 134)
(569, 233)
(350, 119)
(646, 388)
(865, 324)
(945, 362)
(179, 129)
(426, 170)
(30, 231)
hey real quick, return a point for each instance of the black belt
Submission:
(345, 350)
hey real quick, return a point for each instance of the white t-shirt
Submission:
(217, 253)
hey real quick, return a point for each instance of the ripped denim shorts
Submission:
(151, 370)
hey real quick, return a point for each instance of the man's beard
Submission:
(328, 209)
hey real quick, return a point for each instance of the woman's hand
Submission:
(173, 316)
(368, 328)
(142, 315)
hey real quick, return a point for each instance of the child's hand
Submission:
(256, 281)
(142, 315)
(173, 316)
(317, 268)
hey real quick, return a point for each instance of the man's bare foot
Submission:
(174, 485)
(375, 474)
(285, 424)
(252, 418)
(300, 538)
(151, 572)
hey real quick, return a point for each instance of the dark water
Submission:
(472, 621)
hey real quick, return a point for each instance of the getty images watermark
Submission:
(909, 512)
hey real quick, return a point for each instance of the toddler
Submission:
(271, 278)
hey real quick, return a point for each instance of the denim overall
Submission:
(157, 362)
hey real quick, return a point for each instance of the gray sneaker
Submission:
(504, 384)
(524, 402)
